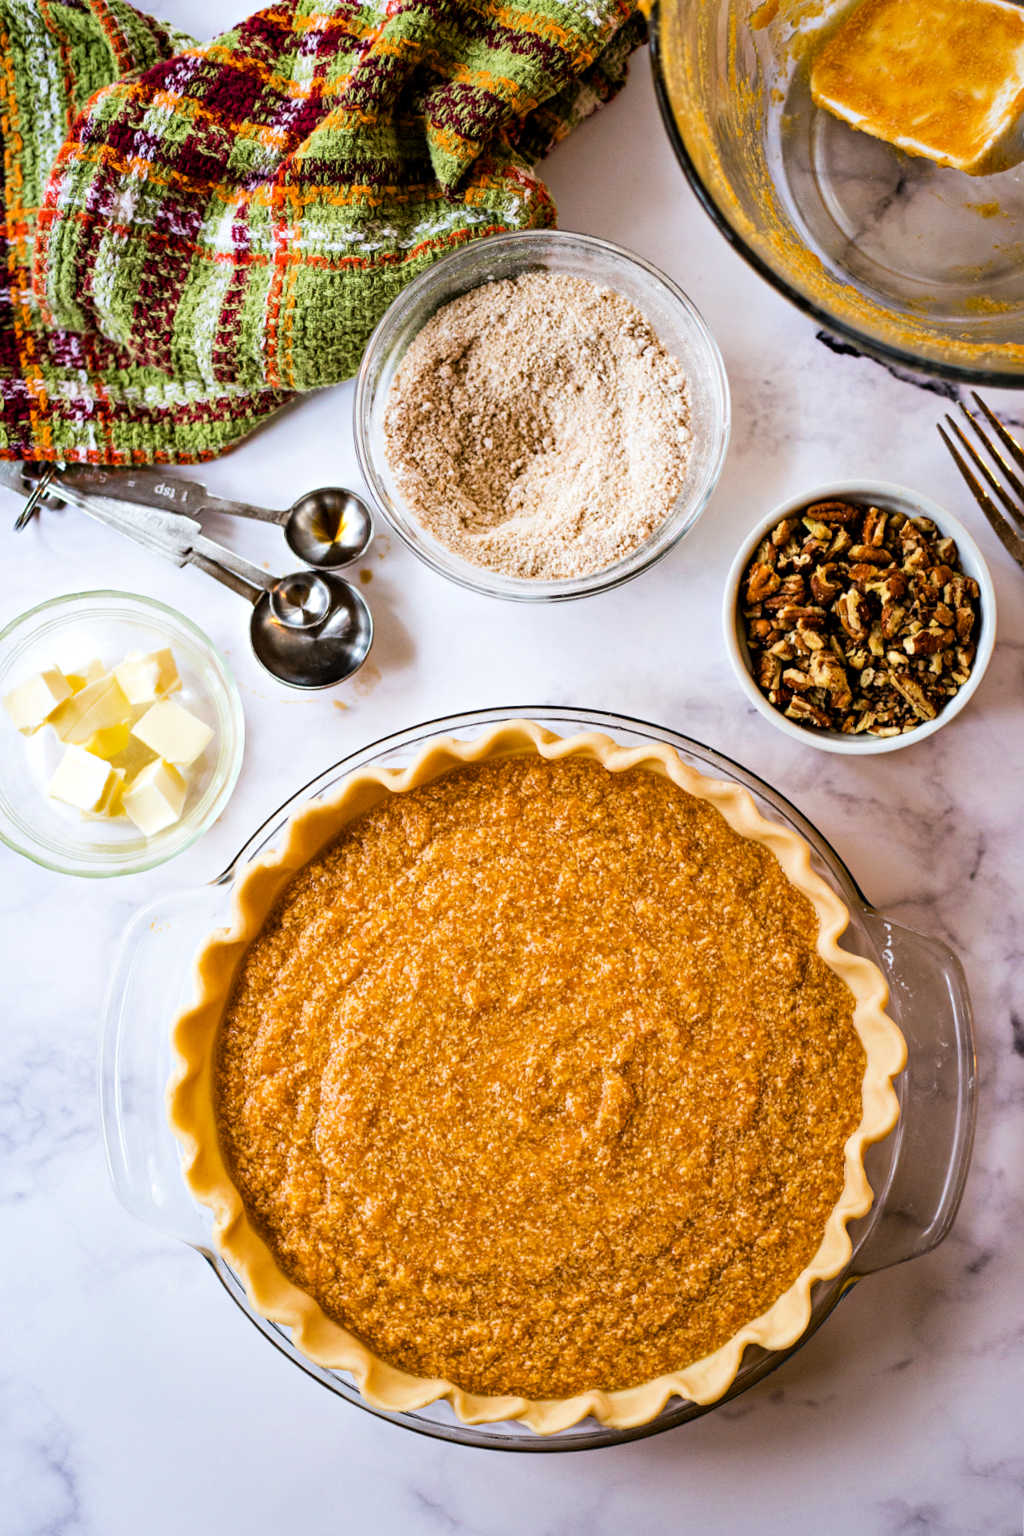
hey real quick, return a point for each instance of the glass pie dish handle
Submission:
(152, 981)
(920, 1179)
(928, 1169)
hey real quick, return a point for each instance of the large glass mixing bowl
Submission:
(917, 1172)
(913, 263)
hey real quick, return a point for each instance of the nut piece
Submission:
(761, 583)
(858, 619)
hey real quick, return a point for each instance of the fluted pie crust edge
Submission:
(192, 1117)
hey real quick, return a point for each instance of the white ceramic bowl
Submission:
(890, 497)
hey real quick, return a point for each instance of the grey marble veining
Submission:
(134, 1397)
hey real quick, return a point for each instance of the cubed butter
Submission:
(938, 78)
(155, 798)
(173, 733)
(82, 675)
(134, 758)
(145, 677)
(110, 741)
(32, 703)
(110, 806)
(99, 705)
(82, 780)
(120, 749)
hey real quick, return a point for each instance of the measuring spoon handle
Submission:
(151, 488)
(228, 508)
(230, 569)
(177, 538)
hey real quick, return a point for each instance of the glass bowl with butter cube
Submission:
(867, 158)
(122, 734)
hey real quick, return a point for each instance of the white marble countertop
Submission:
(136, 1398)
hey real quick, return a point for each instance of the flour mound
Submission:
(537, 426)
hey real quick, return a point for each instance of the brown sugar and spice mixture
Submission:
(858, 619)
(538, 427)
(535, 1081)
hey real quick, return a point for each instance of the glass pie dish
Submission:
(918, 1172)
(916, 264)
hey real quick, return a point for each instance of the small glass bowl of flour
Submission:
(541, 415)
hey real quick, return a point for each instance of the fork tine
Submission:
(1013, 446)
(1007, 468)
(979, 463)
(1000, 526)
(977, 490)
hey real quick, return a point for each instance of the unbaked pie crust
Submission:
(325, 1341)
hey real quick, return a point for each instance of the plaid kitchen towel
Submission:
(194, 232)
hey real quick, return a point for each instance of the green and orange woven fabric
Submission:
(194, 232)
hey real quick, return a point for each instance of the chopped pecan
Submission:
(819, 534)
(767, 670)
(926, 642)
(826, 582)
(828, 672)
(833, 512)
(789, 613)
(853, 613)
(867, 554)
(810, 635)
(762, 581)
(862, 575)
(875, 523)
(892, 587)
(803, 710)
(915, 697)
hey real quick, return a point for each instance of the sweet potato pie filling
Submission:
(535, 1081)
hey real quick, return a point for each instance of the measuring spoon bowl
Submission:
(328, 528)
(311, 630)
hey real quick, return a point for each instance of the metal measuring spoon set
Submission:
(310, 629)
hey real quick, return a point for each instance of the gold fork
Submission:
(1013, 499)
